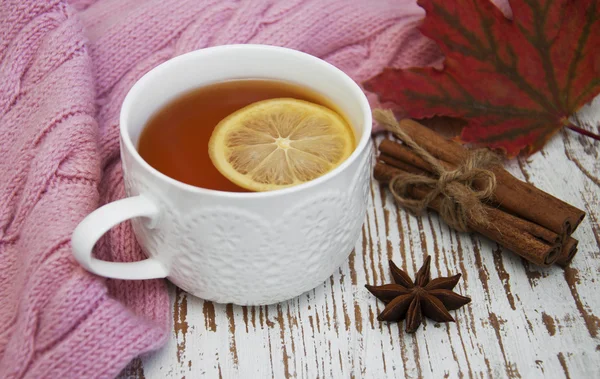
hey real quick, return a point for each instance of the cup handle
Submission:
(94, 225)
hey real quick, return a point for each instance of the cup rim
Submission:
(135, 90)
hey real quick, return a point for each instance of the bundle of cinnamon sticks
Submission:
(530, 222)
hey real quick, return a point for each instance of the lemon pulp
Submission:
(278, 143)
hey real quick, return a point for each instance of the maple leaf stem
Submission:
(584, 132)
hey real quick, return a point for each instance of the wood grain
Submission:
(523, 322)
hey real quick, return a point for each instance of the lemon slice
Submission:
(278, 143)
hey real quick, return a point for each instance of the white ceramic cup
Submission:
(241, 248)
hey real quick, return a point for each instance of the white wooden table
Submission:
(523, 321)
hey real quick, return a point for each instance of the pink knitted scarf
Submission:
(65, 67)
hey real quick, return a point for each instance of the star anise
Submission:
(411, 300)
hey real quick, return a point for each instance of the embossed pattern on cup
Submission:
(249, 256)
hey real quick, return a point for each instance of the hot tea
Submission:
(175, 140)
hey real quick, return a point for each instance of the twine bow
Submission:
(460, 202)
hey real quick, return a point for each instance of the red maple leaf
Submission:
(516, 82)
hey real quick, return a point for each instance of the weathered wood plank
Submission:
(523, 322)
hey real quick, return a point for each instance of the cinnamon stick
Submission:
(569, 249)
(517, 197)
(526, 239)
(411, 162)
(392, 161)
(402, 154)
